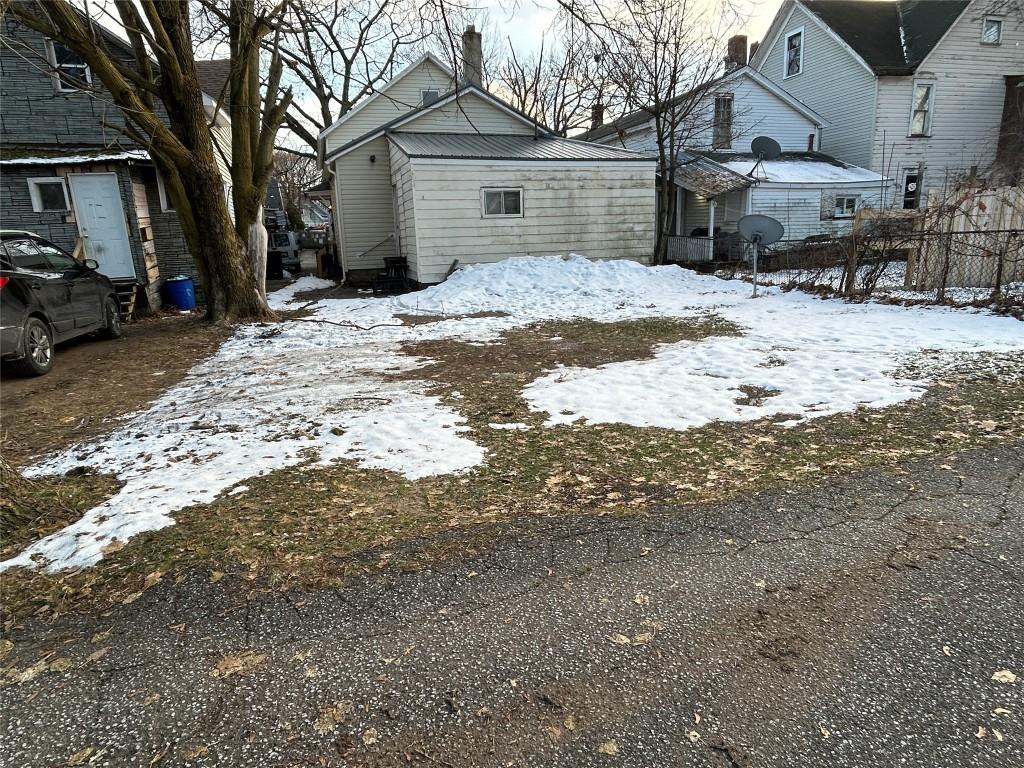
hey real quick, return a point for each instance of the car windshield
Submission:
(25, 255)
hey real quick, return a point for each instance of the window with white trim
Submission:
(846, 206)
(429, 96)
(498, 203)
(70, 72)
(48, 194)
(991, 30)
(793, 54)
(165, 202)
(921, 109)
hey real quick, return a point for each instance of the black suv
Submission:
(47, 297)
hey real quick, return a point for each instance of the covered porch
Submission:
(709, 200)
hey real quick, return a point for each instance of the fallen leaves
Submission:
(6, 646)
(642, 599)
(99, 637)
(81, 756)
(238, 664)
(947, 650)
(331, 716)
(15, 676)
(981, 733)
(370, 737)
(98, 654)
(1005, 676)
(608, 748)
(693, 736)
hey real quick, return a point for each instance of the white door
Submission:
(101, 222)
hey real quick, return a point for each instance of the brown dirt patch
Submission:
(96, 381)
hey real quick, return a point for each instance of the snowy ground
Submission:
(308, 392)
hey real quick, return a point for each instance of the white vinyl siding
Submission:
(598, 210)
(801, 208)
(833, 82)
(391, 102)
(403, 187)
(756, 111)
(366, 208)
(468, 114)
(967, 106)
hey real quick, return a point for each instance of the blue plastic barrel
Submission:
(181, 292)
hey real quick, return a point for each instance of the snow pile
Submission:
(280, 299)
(303, 392)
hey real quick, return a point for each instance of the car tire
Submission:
(38, 348)
(111, 319)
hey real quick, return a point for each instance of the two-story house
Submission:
(719, 180)
(916, 90)
(439, 171)
(70, 174)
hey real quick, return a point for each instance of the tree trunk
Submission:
(258, 253)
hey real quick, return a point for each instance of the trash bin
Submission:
(275, 269)
(181, 292)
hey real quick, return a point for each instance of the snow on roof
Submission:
(801, 168)
(476, 146)
(73, 157)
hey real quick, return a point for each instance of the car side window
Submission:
(25, 255)
(59, 260)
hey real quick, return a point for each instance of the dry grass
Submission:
(313, 527)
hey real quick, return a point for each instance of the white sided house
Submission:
(443, 173)
(717, 184)
(920, 91)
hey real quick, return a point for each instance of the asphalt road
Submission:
(858, 623)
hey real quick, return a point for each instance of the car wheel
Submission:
(111, 318)
(38, 341)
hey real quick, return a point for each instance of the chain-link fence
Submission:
(978, 268)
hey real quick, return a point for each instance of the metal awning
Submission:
(707, 177)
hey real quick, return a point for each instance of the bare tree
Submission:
(295, 173)
(340, 51)
(663, 57)
(560, 83)
(161, 100)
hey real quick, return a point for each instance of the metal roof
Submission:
(476, 146)
(707, 177)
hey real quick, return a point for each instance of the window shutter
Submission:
(828, 206)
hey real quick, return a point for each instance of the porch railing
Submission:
(690, 248)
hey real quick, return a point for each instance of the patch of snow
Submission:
(281, 298)
(72, 159)
(510, 425)
(804, 172)
(305, 393)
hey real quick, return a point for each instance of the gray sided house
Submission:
(920, 91)
(69, 174)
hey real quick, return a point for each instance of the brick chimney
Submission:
(596, 115)
(736, 52)
(472, 57)
(753, 48)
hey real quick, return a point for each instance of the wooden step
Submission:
(127, 292)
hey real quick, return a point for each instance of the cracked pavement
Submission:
(858, 622)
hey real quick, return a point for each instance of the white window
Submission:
(165, 202)
(502, 202)
(921, 109)
(722, 138)
(991, 30)
(846, 206)
(429, 96)
(793, 54)
(48, 194)
(70, 72)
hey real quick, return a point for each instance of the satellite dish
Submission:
(760, 230)
(765, 148)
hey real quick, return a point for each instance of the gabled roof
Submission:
(466, 89)
(891, 37)
(428, 56)
(797, 168)
(213, 79)
(478, 146)
(643, 116)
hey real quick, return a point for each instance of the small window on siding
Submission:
(722, 138)
(165, 202)
(502, 202)
(70, 71)
(846, 206)
(48, 194)
(921, 109)
(991, 30)
(793, 63)
(429, 96)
